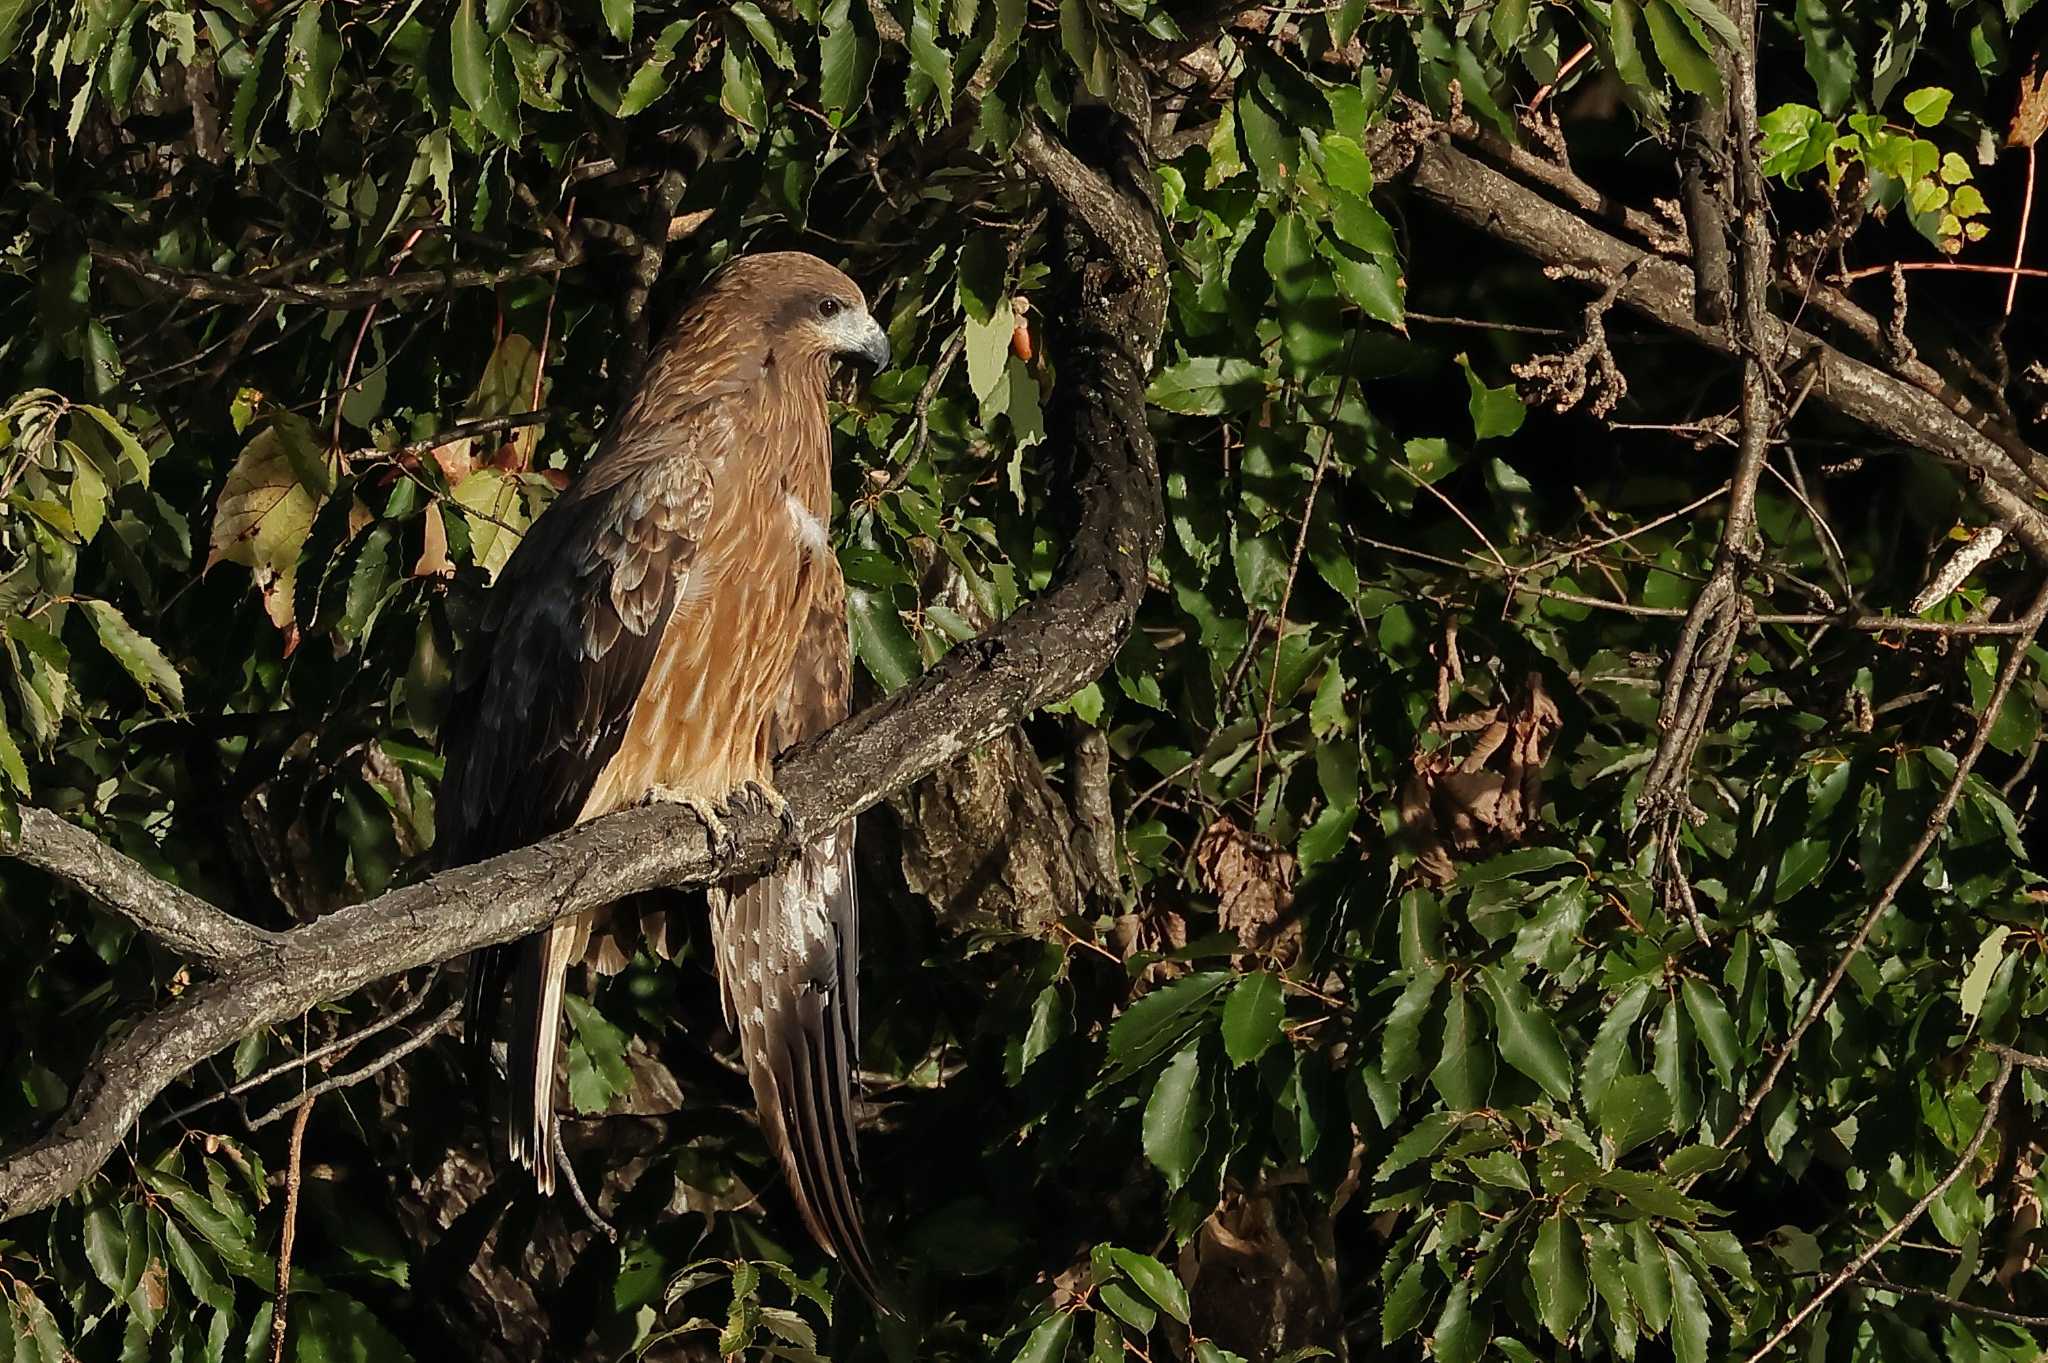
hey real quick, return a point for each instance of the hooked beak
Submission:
(859, 337)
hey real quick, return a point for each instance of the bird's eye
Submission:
(829, 307)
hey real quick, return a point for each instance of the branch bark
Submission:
(1662, 290)
(1105, 333)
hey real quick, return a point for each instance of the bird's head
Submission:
(810, 312)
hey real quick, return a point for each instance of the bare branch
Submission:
(1662, 289)
(435, 1025)
(1105, 329)
(183, 922)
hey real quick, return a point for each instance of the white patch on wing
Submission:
(810, 531)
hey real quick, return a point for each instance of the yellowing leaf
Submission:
(1982, 968)
(264, 512)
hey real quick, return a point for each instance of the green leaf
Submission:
(11, 764)
(1209, 386)
(1649, 1276)
(1528, 1038)
(1400, 1043)
(1427, 1137)
(1177, 1117)
(483, 73)
(138, 656)
(1252, 1016)
(1690, 1327)
(1161, 1021)
(1495, 412)
(310, 56)
(740, 92)
(1633, 1109)
(764, 33)
(618, 17)
(1128, 1308)
(1155, 1281)
(1464, 1073)
(1406, 1302)
(1690, 65)
(1558, 1268)
(1929, 105)
(1459, 1335)
(1610, 1056)
(880, 639)
(932, 61)
(846, 58)
(598, 1073)
(1716, 1032)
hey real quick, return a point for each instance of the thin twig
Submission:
(434, 1027)
(300, 1062)
(568, 1169)
(1992, 1100)
(1308, 515)
(1958, 266)
(348, 373)
(215, 288)
(281, 1307)
(1971, 1308)
(1543, 92)
(2019, 251)
(1929, 835)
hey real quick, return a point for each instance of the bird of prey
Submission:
(669, 624)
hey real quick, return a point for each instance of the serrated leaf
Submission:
(1400, 1041)
(1160, 1021)
(1128, 1308)
(1464, 1072)
(1633, 1109)
(1690, 65)
(1252, 1016)
(1177, 1117)
(483, 73)
(1427, 1137)
(1406, 1302)
(138, 655)
(1716, 1031)
(1528, 1038)
(1649, 1276)
(11, 764)
(1691, 1329)
(1558, 1268)
(1928, 105)
(310, 56)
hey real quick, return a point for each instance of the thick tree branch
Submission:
(182, 921)
(1104, 335)
(1661, 290)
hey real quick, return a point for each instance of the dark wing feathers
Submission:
(546, 691)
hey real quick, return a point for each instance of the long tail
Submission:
(787, 947)
(532, 1047)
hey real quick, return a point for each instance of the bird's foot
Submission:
(724, 842)
(758, 797)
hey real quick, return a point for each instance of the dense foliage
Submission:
(1392, 1027)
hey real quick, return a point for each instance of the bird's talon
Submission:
(758, 797)
(724, 842)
